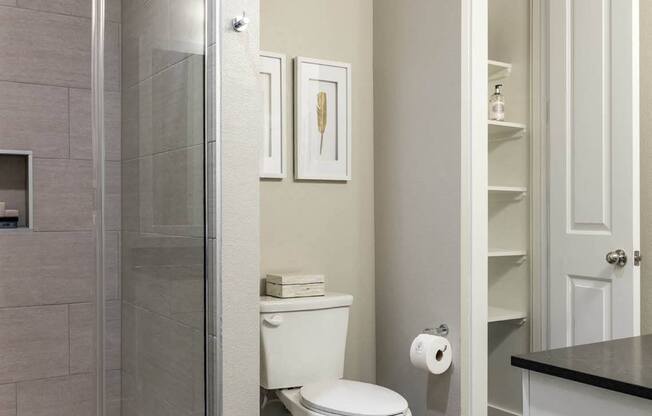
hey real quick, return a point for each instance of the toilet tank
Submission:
(302, 340)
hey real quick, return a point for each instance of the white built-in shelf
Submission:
(508, 191)
(499, 252)
(493, 410)
(505, 130)
(497, 314)
(499, 70)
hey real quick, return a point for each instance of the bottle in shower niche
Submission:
(497, 104)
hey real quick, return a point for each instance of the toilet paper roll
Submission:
(431, 353)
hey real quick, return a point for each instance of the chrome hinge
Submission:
(637, 258)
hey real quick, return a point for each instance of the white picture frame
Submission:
(273, 158)
(322, 149)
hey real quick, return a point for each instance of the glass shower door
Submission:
(162, 241)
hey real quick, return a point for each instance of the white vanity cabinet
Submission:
(545, 395)
(611, 378)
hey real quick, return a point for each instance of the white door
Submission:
(594, 170)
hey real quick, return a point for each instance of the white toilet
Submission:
(302, 358)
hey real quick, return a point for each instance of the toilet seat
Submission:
(352, 398)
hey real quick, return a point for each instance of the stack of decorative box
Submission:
(291, 285)
(8, 217)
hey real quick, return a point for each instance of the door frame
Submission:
(539, 166)
(474, 206)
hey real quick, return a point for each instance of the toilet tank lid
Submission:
(270, 304)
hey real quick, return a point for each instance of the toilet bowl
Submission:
(303, 341)
(343, 398)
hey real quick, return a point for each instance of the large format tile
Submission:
(177, 203)
(34, 343)
(113, 334)
(46, 268)
(34, 117)
(112, 57)
(164, 193)
(136, 118)
(112, 196)
(8, 400)
(45, 48)
(178, 106)
(81, 8)
(113, 385)
(72, 7)
(63, 195)
(62, 396)
(164, 374)
(112, 265)
(131, 195)
(82, 334)
(165, 112)
(147, 45)
(165, 275)
(174, 292)
(80, 124)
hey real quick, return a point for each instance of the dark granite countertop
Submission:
(623, 365)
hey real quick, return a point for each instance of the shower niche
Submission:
(15, 190)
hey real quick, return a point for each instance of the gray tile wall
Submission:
(162, 244)
(47, 276)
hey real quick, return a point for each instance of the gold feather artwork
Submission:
(322, 117)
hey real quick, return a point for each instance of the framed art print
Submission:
(322, 120)
(273, 156)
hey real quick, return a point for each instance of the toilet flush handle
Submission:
(274, 320)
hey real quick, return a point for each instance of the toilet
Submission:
(302, 342)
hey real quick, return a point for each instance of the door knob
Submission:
(617, 257)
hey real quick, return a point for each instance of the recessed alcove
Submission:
(15, 189)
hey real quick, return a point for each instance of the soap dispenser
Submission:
(497, 104)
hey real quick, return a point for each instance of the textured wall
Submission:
(47, 276)
(322, 227)
(163, 208)
(417, 127)
(646, 165)
(241, 127)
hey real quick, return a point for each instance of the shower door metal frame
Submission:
(97, 122)
(212, 209)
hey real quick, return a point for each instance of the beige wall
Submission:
(318, 226)
(646, 165)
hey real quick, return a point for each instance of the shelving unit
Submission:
(509, 275)
(499, 411)
(499, 70)
(515, 192)
(498, 253)
(498, 314)
(505, 130)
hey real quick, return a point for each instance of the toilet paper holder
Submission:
(441, 330)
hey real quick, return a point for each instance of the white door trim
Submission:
(474, 220)
(539, 174)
